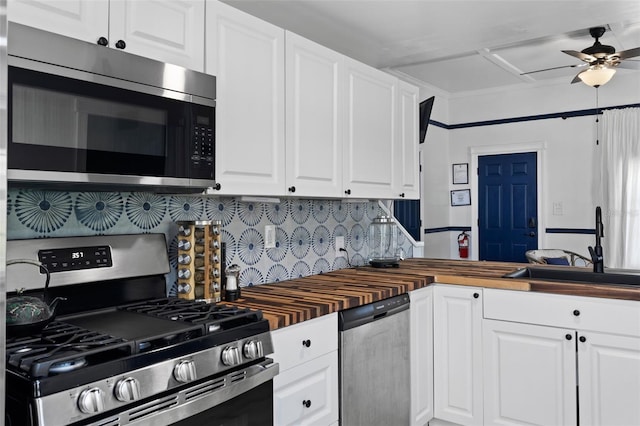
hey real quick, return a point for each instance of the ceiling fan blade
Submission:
(555, 68)
(580, 55)
(630, 65)
(626, 54)
(576, 79)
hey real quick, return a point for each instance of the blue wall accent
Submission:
(305, 229)
(570, 231)
(447, 229)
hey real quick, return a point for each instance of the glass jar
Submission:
(383, 243)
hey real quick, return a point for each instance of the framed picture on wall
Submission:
(461, 197)
(460, 174)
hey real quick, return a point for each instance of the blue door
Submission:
(507, 206)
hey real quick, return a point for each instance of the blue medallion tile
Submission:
(358, 260)
(9, 205)
(356, 211)
(339, 211)
(277, 273)
(300, 242)
(321, 240)
(43, 211)
(321, 266)
(250, 277)
(250, 246)
(356, 237)
(145, 210)
(99, 211)
(300, 269)
(372, 210)
(340, 262)
(185, 208)
(173, 291)
(250, 213)
(223, 209)
(320, 210)
(278, 253)
(341, 231)
(230, 248)
(277, 212)
(300, 210)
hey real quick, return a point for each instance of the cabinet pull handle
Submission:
(476, 295)
(306, 343)
(306, 403)
(292, 189)
(102, 41)
(568, 336)
(120, 44)
(582, 339)
(576, 313)
(348, 192)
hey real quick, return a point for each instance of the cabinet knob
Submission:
(568, 336)
(102, 41)
(218, 186)
(582, 339)
(120, 44)
(348, 192)
(292, 189)
(306, 343)
(402, 195)
(476, 295)
(306, 403)
(576, 313)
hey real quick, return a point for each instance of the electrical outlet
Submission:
(339, 245)
(269, 236)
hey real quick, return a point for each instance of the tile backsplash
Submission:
(305, 229)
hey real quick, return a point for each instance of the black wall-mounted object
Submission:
(425, 113)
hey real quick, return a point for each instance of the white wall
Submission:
(568, 155)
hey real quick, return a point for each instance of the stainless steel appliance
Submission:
(121, 353)
(81, 113)
(374, 364)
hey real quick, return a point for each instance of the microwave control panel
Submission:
(202, 155)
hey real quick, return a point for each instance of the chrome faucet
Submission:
(597, 257)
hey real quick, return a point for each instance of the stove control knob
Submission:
(127, 390)
(185, 371)
(91, 401)
(231, 356)
(253, 349)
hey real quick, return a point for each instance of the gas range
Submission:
(143, 360)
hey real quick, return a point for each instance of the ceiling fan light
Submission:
(596, 76)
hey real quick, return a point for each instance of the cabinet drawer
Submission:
(307, 340)
(581, 313)
(307, 394)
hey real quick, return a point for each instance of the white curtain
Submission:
(620, 187)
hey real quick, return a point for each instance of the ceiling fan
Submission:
(601, 59)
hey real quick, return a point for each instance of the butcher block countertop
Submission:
(290, 302)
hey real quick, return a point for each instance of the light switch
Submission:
(557, 208)
(269, 236)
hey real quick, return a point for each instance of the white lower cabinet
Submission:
(560, 360)
(457, 355)
(421, 356)
(305, 392)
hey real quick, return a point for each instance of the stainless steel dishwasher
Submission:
(374, 364)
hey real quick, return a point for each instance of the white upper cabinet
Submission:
(315, 116)
(369, 151)
(168, 31)
(407, 167)
(247, 56)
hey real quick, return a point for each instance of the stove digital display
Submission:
(75, 258)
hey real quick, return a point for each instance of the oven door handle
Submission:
(198, 398)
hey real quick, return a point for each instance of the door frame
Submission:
(478, 151)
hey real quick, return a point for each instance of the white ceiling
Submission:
(460, 46)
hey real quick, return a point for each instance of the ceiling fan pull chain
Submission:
(597, 119)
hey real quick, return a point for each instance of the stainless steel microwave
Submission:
(87, 115)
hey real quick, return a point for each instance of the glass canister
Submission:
(383, 243)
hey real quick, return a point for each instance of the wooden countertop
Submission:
(290, 302)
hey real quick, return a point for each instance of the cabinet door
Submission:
(168, 31)
(421, 355)
(314, 111)
(247, 56)
(407, 167)
(370, 132)
(457, 355)
(81, 19)
(307, 394)
(529, 374)
(609, 372)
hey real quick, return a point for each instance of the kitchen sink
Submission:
(574, 275)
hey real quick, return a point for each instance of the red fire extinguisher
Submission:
(463, 245)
